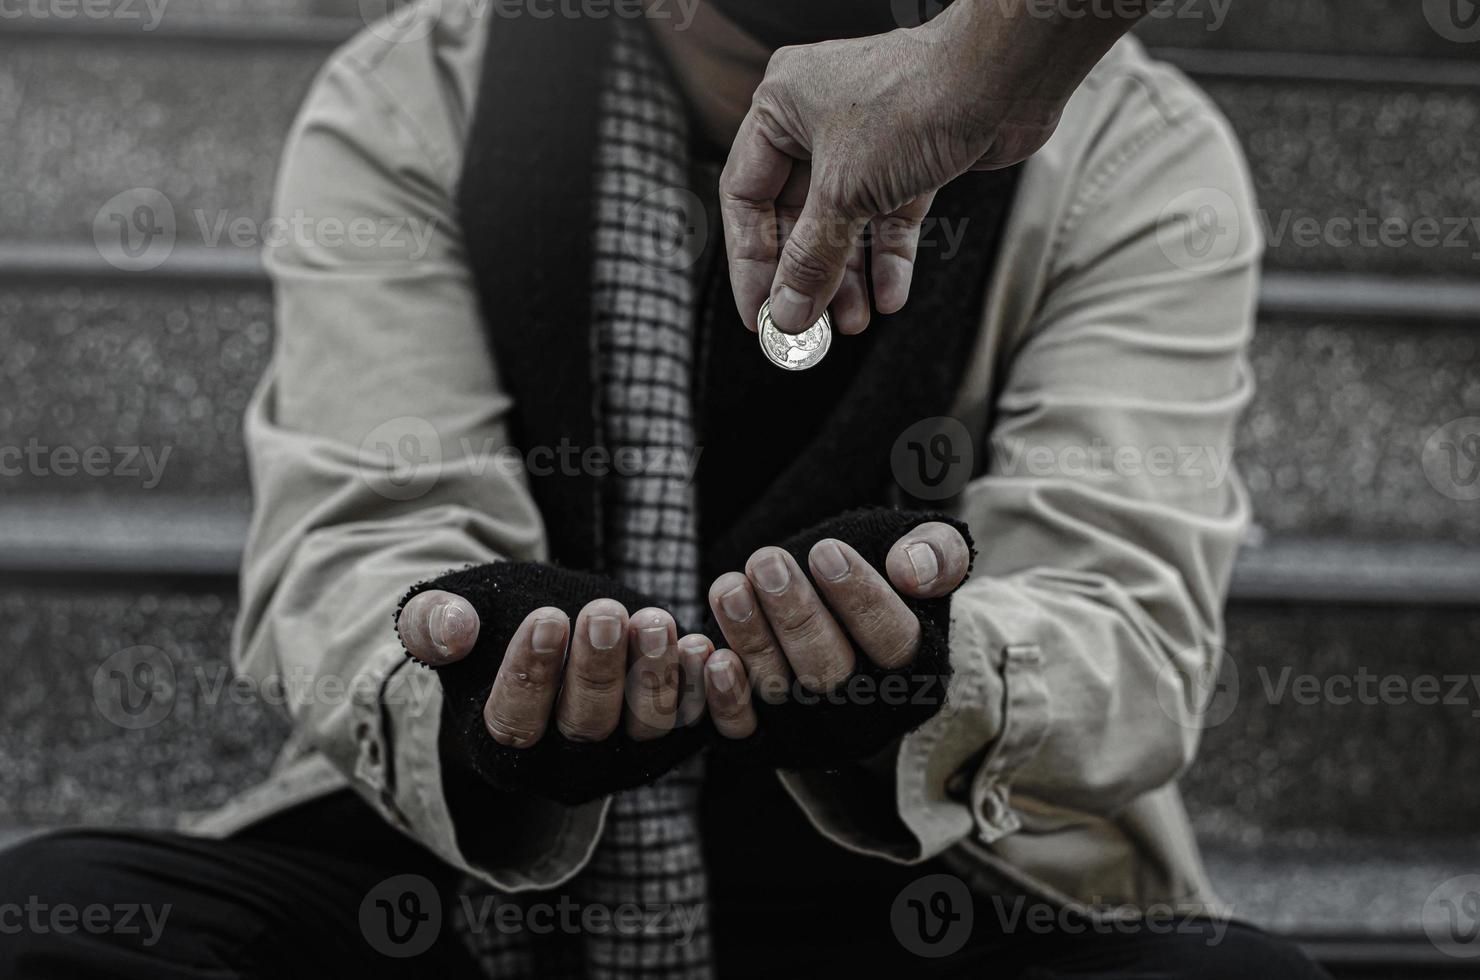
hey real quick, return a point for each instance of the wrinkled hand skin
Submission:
(857, 135)
(519, 645)
(576, 698)
(843, 658)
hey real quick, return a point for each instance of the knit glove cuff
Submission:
(503, 594)
(875, 706)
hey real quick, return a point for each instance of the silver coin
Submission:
(794, 352)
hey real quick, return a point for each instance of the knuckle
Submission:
(664, 701)
(781, 59)
(586, 729)
(872, 620)
(803, 623)
(650, 681)
(530, 675)
(513, 733)
(730, 709)
(755, 650)
(828, 674)
(597, 681)
(900, 646)
(803, 263)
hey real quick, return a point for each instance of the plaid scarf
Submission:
(643, 306)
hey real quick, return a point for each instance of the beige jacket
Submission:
(1113, 344)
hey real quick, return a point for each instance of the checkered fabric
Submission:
(649, 855)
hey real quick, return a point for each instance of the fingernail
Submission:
(771, 574)
(737, 605)
(652, 640)
(447, 621)
(923, 561)
(722, 675)
(694, 646)
(548, 636)
(830, 561)
(604, 631)
(790, 309)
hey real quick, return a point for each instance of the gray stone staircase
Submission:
(1333, 822)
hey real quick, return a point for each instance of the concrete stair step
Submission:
(154, 377)
(1358, 718)
(1334, 717)
(1413, 28)
(1364, 906)
(1360, 175)
(1371, 178)
(1340, 441)
(89, 118)
(1346, 434)
(64, 757)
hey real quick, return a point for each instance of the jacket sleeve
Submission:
(380, 457)
(1108, 516)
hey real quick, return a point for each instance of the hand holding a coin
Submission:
(852, 136)
(782, 630)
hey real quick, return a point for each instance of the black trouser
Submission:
(306, 895)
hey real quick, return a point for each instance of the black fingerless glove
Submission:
(806, 731)
(875, 706)
(503, 593)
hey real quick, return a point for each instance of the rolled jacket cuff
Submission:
(532, 844)
(950, 778)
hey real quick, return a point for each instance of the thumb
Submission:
(813, 261)
(929, 561)
(438, 627)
